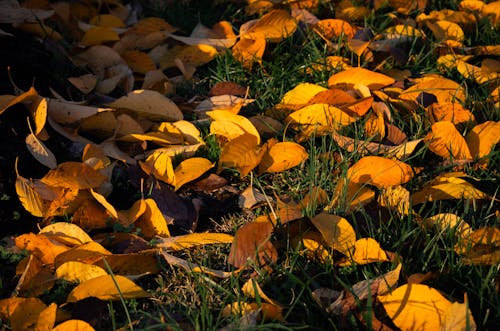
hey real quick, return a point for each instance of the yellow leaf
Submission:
(74, 271)
(375, 127)
(415, 307)
(273, 26)
(88, 251)
(107, 20)
(22, 313)
(66, 233)
(481, 246)
(367, 250)
(99, 35)
(74, 175)
(331, 28)
(243, 122)
(149, 104)
(396, 198)
(458, 317)
(159, 165)
(47, 318)
(127, 217)
(74, 325)
(379, 171)
(352, 195)
(138, 61)
(492, 10)
(107, 287)
(39, 113)
(241, 153)
(443, 188)
(152, 222)
(446, 141)
(336, 231)
(191, 169)
(65, 112)
(247, 51)
(40, 246)
(29, 197)
(102, 200)
(449, 111)
(194, 239)
(483, 138)
(301, 94)
(323, 118)
(448, 221)
(227, 129)
(189, 132)
(7, 101)
(444, 30)
(445, 90)
(282, 156)
(358, 75)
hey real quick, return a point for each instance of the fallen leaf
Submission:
(107, 287)
(350, 77)
(241, 153)
(379, 171)
(336, 231)
(74, 271)
(282, 156)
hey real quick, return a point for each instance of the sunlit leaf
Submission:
(367, 250)
(445, 90)
(253, 290)
(449, 222)
(47, 318)
(458, 317)
(379, 171)
(74, 271)
(194, 267)
(444, 30)
(331, 28)
(282, 156)
(159, 165)
(41, 246)
(302, 94)
(82, 253)
(243, 122)
(149, 104)
(66, 233)
(336, 231)
(21, 312)
(152, 222)
(74, 325)
(483, 138)
(191, 169)
(396, 198)
(481, 246)
(194, 239)
(449, 111)
(446, 141)
(248, 51)
(31, 200)
(74, 175)
(273, 26)
(447, 187)
(350, 77)
(107, 287)
(241, 153)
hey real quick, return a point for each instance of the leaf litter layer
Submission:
(268, 164)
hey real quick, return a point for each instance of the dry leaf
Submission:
(241, 153)
(350, 77)
(336, 231)
(483, 138)
(447, 142)
(273, 26)
(379, 171)
(107, 287)
(282, 156)
(190, 169)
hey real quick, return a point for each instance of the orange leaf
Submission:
(152, 222)
(336, 231)
(107, 287)
(74, 175)
(483, 138)
(333, 28)
(367, 250)
(350, 77)
(191, 169)
(273, 26)
(282, 156)
(446, 141)
(247, 51)
(74, 325)
(99, 35)
(241, 153)
(379, 171)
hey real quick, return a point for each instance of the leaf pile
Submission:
(130, 116)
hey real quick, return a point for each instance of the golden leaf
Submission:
(99, 35)
(66, 233)
(152, 222)
(367, 250)
(273, 26)
(107, 287)
(22, 313)
(82, 253)
(194, 267)
(131, 264)
(483, 138)
(282, 156)
(243, 122)
(107, 20)
(444, 89)
(333, 28)
(74, 271)
(458, 317)
(447, 187)
(302, 94)
(379, 171)
(444, 30)
(73, 175)
(31, 200)
(47, 318)
(194, 239)
(241, 153)
(336, 231)
(446, 141)
(190, 169)
(149, 104)
(252, 289)
(102, 200)
(415, 307)
(350, 77)
(322, 117)
(7, 101)
(248, 51)
(159, 165)
(41, 246)
(449, 111)
(138, 61)
(74, 325)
